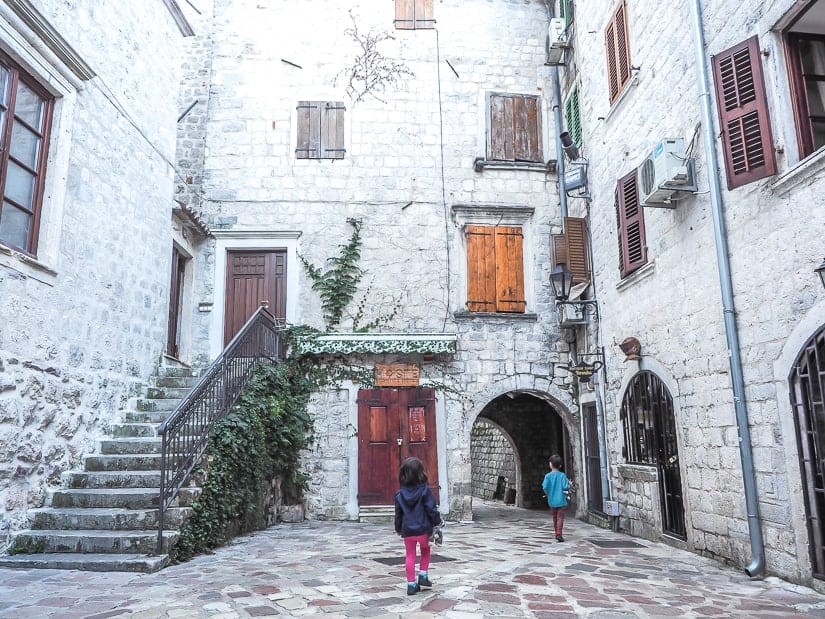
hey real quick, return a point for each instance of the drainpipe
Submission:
(606, 495)
(555, 94)
(757, 564)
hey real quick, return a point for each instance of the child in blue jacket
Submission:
(416, 514)
(556, 487)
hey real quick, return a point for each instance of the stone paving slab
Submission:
(506, 564)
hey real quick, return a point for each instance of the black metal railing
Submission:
(185, 433)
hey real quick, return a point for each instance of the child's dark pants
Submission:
(558, 518)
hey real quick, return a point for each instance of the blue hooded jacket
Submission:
(415, 511)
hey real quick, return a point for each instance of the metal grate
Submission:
(615, 543)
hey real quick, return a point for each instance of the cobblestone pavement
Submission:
(505, 564)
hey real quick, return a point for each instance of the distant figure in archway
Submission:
(556, 488)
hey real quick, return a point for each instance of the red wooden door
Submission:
(253, 277)
(394, 424)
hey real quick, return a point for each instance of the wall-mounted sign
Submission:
(396, 375)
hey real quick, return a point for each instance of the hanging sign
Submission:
(396, 375)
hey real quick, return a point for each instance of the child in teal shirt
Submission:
(556, 487)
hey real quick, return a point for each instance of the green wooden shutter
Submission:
(572, 116)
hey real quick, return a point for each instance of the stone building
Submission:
(667, 270)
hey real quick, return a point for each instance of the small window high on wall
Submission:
(320, 130)
(414, 14)
(630, 221)
(495, 269)
(514, 128)
(617, 52)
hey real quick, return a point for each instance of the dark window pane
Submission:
(14, 226)
(24, 144)
(819, 133)
(28, 106)
(20, 185)
(4, 86)
(813, 56)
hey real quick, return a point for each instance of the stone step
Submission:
(129, 430)
(129, 446)
(130, 462)
(80, 518)
(94, 541)
(111, 479)
(153, 417)
(87, 562)
(376, 513)
(158, 393)
(175, 370)
(124, 498)
(178, 382)
(156, 404)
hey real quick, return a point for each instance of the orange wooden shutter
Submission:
(559, 249)
(481, 269)
(631, 225)
(743, 114)
(578, 261)
(509, 270)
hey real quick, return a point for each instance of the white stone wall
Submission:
(674, 308)
(409, 159)
(85, 324)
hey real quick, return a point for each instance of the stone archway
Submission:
(536, 431)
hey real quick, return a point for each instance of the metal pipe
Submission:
(757, 564)
(555, 94)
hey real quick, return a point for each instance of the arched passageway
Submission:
(513, 437)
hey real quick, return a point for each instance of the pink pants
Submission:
(558, 518)
(409, 545)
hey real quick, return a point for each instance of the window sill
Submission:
(464, 315)
(801, 172)
(27, 266)
(637, 276)
(631, 85)
(638, 472)
(481, 164)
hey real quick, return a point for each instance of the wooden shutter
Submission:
(515, 128)
(572, 117)
(405, 14)
(617, 52)
(332, 130)
(481, 269)
(631, 225)
(424, 14)
(501, 128)
(559, 242)
(578, 260)
(309, 130)
(509, 269)
(743, 114)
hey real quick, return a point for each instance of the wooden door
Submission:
(175, 303)
(394, 424)
(253, 277)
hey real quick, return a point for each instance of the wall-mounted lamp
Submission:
(820, 270)
(561, 279)
(581, 369)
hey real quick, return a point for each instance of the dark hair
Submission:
(556, 461)
(412, 473)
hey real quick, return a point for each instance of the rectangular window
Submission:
(514, 129)
(807, 76)
(25, 121)
(572, 117)
(743, 114)
(617, 51)
(414, 14)
(320, 130)
(571, 249)
(631, 225)
(495, 269)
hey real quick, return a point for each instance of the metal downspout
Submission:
(555, 94)
(757, 564)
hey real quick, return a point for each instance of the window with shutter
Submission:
(566, 11)
(514, 129)
(572, 249)
(743, 114)
(414, 14)
(617, 52)
(25, 123)
(806, 59)
(631, 225)
(495, 269)
(572, 117)
(320, 130)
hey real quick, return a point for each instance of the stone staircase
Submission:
(376, 514)
(104, 518)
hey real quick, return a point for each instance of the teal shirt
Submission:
(554, 485)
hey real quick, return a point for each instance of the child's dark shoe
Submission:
(424, 581)
(413, 589)
(559, 538)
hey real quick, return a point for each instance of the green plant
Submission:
(27, 546)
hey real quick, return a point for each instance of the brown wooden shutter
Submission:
(332, 131)
(578, 261)
(424, 14)
(405, 14)
(526, 123)
(509, 269)
(617, 52)
(743, 114)
(501, 128)
(559, 242)
(481, 269)
(631, 225)
(309, 130)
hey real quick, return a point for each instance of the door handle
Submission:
(400, 441)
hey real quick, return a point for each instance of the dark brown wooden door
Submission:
(175, 303)
(394, 424)
(253, 277)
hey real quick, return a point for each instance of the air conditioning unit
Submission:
(556, 42)
(666, 175)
